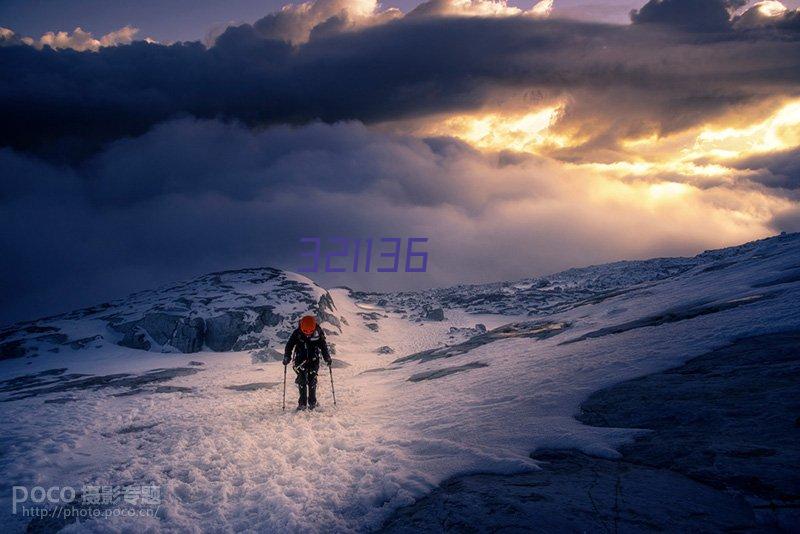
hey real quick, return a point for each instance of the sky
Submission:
(165, 140)
(190, 20)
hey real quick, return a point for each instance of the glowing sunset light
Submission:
(496, 131)
(667, 190)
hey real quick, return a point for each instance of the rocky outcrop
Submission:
(266, 355)
(325, 309)
(188, 335)
(231, 311)
(435, 314)
(223, 331)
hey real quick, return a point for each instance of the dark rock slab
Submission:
(378, 369)
(28, 386)
(265, 355)
(526, 329)
(673, 315)
(254, 386)
(61, 400)
(723, 456)
(574, 493)
(435, 314)
(339, 364)
(789, 278)
(131, 429)
(224, 330)
(726, 418)
(446, 371)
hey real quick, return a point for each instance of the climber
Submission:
(306, 344)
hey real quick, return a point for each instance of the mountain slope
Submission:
(234, 310)
(567, 289)
(418, 402)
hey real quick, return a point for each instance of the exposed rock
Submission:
(254, 386)
(721, 456)
(724, 418)
(56, 381)
(188, 335)
(83, 342)
(339, 364)
(527, 329)
(435, 314)
(265, 355)
(61, 400)
(160, 326)
(223, 331)
(573, 492)
(385, 349)
(325, 309)
(446, 371)
(283, 334)
(130, 429)
(267, 316)
(231, 310)
(136, 338)
(680, 313)
(372, 326)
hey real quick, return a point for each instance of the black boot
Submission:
(301, 403)
(312, 392)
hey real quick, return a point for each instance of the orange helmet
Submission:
(308, 324)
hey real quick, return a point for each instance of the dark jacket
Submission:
(307, 349)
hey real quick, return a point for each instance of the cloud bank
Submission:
(193, 196)
(619, 81)
(78, 39)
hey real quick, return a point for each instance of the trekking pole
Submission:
(284, 388)
(330, 369)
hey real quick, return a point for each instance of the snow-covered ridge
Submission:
(256, 309)
(249, 309)
(562, 291)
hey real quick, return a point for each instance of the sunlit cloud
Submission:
(699, 153)
(497, 131)
(78, 39)
(778, 132)
(480, 8)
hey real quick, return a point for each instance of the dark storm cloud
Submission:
(619, 79)
(776, 170)
(694, 15)
(788, 220)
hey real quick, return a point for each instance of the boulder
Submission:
(435, 314)
(136, 338)
(265, 355)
